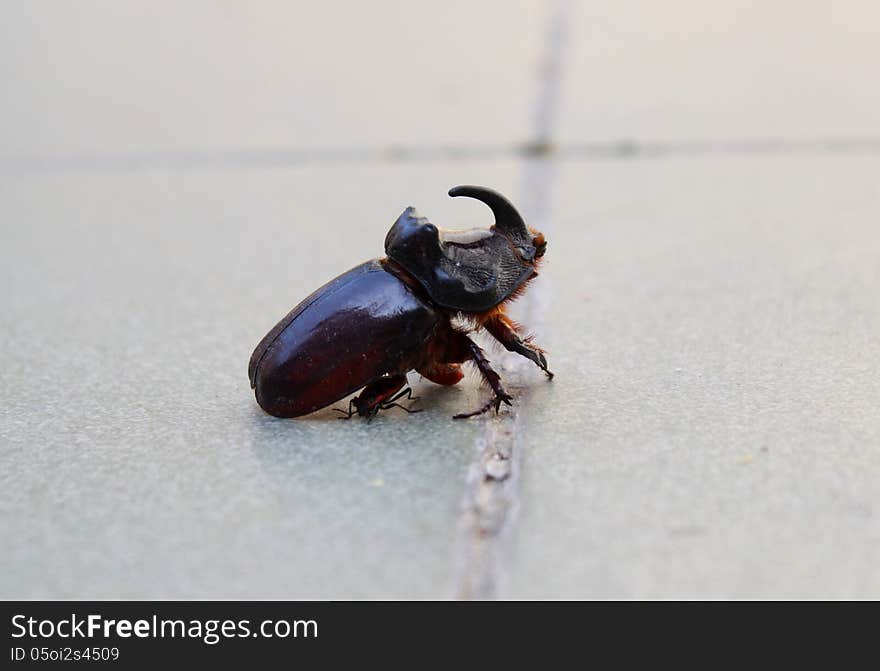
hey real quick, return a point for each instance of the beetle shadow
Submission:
(427, 399)
(306, 449)
(385, 492)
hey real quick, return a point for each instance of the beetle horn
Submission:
(507, 219)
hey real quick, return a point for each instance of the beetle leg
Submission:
(381, 394)
(390, 403)
(406, 392)
(387, 406)
(495, 401)
(347, 414)
(505, 332)
(476, 354)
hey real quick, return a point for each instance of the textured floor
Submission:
(171, 183)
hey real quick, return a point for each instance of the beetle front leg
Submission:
(505, 332)
(476, 354)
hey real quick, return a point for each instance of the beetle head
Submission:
(508, 221)
(472, 270)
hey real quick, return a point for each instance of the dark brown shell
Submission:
(357, 328)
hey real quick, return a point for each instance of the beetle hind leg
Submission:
(390, 403)
(380, 394)
(346, 415)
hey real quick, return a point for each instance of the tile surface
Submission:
(713, 429)
(173, 180)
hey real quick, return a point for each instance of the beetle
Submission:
(411, 310)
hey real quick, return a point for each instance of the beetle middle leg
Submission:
(505, 331)
(462, 348)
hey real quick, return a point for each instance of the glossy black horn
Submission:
(507, 219)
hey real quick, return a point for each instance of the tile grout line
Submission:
(491, 502)
(600, 150)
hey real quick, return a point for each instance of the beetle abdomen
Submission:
(364, 324)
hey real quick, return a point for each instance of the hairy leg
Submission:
(459, 348)
(505, 331)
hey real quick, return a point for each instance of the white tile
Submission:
(684, 70)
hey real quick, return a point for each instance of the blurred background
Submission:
(174, 177)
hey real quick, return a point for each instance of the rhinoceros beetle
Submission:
(411, 310)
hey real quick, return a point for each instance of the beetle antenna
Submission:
(507, 218)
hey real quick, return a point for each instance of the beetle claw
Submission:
(497, 401)
(529, 351)
(542, 362)
(502, 399)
